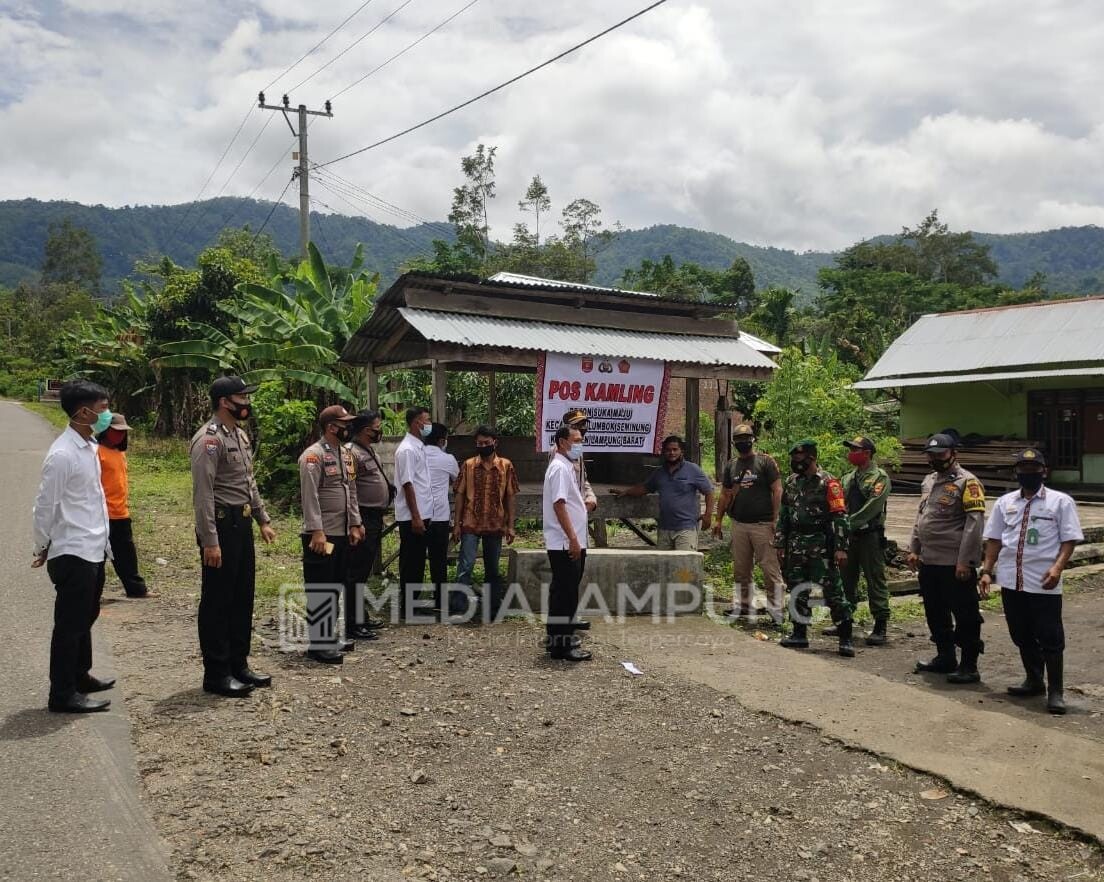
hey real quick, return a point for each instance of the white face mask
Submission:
(575, 453)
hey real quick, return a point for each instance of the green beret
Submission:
(805, 444)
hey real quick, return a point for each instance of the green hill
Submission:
(1072, 258)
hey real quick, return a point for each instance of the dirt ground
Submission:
(463, 753)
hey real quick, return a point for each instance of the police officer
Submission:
(946, 549)
(331, 524)
(374, 496)
(812, 539)
(866, 489)
(226, 501)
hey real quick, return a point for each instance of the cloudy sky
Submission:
(796, 123)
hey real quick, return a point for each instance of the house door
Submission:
(1057, 421)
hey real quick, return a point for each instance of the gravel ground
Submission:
(462, 753)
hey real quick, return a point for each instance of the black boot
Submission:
(798, 638)
(566, 647)
(877, 637)
(846, 647)
(1033, 683)
(945, 661)
(249, 677)
(231, 687)
(967, 669)
(1056, 701)
(78, 703)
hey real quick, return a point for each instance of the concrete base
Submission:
(618, 581)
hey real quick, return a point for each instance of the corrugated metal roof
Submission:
(470, 330)
(1069, 332)
(947, 379)
(538, 282)
(759, 344)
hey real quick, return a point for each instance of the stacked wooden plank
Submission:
(990, 459)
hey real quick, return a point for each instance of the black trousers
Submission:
(437, 546)
(1034, 622)
(361, 562)
(124, 557)
(563, 594)
(951, 607)
(226, 597)
(78, 586)
(327, 571)
(413, 550)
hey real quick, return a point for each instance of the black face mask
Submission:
(743, 447)
(799, 466)
(239, 412)
(1030, 481)
(342, 433)
(941, 465)
(486, 451)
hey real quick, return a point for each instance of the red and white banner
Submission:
(625, 400)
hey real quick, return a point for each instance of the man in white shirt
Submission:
(72, 537)
(443, 471)
(565, 539)
(413, 502)
(1029, 538)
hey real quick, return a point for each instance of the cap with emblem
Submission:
(860, 442)
(224, 387)
(1030, 455)
(575, 416)
(335, 413)
(743, 430)
(805, 445)
(940, 443)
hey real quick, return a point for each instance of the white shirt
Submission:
(443, 469)
(1030, 548)
(411, 468)
(70, 511)
(560, 482)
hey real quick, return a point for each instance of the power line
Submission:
(355, 42)
(390, 207)
(279, 201)
(402, 52)
(317, 45)
(499, 87)
(234, 213)
(419, 247)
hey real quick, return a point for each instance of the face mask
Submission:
(575, 453)
(425, 430)
(102, 421)
(743, 447)
(374, 435)
(239, 411)
(857, 458)
(113, 438)
(486, 452)
(799, 466)
(1030, 480)
(342, 433)
(941, 465)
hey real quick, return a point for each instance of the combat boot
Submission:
(846, 647)
(1033, 681)
(798, 638)
(967, 669)
(1056, 700)
(945, 661)
(878, 637)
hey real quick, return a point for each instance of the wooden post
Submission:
(492, 398)
(693, 428)
(722, 436)
(440, 390)
(371, 379)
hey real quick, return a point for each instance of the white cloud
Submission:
(797, 123)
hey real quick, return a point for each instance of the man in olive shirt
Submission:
(866, 489)
(374, 495)
(226, 502)
(946, 547)
(752, 497)
(331, 524)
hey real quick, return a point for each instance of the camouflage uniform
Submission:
(867, 493)
(812, 526)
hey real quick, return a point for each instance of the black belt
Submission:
(864, 530)
(810, 531)
(234, 512)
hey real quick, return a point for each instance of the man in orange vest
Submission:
(113, 474)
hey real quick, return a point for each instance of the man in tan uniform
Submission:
(331, 525)
(946, 548)
(375, 494)
(226, 501)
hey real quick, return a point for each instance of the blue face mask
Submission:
(426, 429)
(102, 423)
(575, 453)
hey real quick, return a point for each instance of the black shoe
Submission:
(877, 637)
(797, 640)
(78, 703)
(88, 683)
(580, 624)
(967, 669)
(347, 646)
(326, 656)
(945, 662)
(571, 654)
(1033, 683)
(231, 687)
(252, 678)
(363, 632)
(846, 647)
(1056, 700)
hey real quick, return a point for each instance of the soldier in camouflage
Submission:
(812, 537)
(866, 489)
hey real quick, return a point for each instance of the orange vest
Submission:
(113, 474)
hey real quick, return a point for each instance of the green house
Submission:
(1034, 372)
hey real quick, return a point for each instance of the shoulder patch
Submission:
(836, 503)
(212, 428)
(312, 459)
(973, 496)
(211, 445)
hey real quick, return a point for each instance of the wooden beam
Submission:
(371, 380)
(492, 398)
(563, 314)
(693, 427)
(392, 341)
(415, 364)
(440, 391)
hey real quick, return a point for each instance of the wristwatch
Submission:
(985, 572)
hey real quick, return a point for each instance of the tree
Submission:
(71, 258)
(536, 200)
(585, 233)
(773, 315)
(470, 201)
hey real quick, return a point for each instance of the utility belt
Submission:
(233, 513)
(810, 531)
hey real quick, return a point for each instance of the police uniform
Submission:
(950, 521)
(867, 494)
(812, 526)
(226, 502)
(374, 494)
(327, 484)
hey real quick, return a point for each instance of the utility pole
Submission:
(303, 170)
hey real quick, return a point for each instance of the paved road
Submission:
(69, 802)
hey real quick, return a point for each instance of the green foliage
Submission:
(284, 428)
(734, 287)
(537, 201)
(812, 398)
(71, 258)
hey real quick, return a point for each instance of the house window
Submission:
(1055, 420)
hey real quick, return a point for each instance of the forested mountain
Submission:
(1071, 258)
